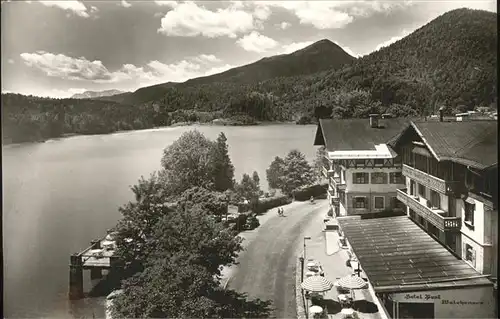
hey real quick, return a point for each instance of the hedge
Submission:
(265, 204)
(316, 191)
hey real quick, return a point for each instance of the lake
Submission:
(59, 195)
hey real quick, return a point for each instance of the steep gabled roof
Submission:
(471, 143)
(356, 134)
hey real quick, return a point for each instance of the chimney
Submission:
(441, 111)
(373, 120)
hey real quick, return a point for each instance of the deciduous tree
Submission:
(297, 172)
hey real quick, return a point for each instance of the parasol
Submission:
(316, 284)
(352, 282)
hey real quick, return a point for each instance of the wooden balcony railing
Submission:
(435, 216)
(432, 182)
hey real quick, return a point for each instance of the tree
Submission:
(182, 274)
(249, 187)
(223, 169)
(213, 203)
(297, 172)
(187, 163)
(320, 162)
(275, 173)
(139, 219)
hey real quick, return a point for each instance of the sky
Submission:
(59, 48)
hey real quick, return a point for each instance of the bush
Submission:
(265, 204)
(317, 191)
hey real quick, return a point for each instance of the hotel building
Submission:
(439, 261)
(364, 172)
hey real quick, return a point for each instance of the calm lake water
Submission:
(59, 195)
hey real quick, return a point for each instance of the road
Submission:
(266, 268)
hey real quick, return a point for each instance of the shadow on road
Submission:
(331, 306)
(365, 306)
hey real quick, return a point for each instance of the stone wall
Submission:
(299, 295)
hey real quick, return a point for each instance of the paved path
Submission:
(266, 268)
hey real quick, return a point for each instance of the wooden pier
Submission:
(97, 257)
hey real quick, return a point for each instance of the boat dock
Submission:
(97, 257)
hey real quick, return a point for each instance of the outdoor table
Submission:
(348, 313)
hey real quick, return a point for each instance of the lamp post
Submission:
(305, 238)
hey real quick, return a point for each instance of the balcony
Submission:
(432, 182)
(327, 173)
(434, 216)
(337, 183)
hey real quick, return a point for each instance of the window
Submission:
(379, 161)
(360, 202)
(421, 190)
(396, 178)
(435, 199)
(379, 178)
(379, 202)
(360, 178)
(469, 213)
(470, 255)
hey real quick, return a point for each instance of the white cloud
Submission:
(125, 4)
(171, 4)
(262, 12)
(188, 19)
(81, 69)
(10, 61)
(403, 34)
(93, 9)
(331, 14)
(285, 25)
(60, 65)
(256, 42)
(294, 46)
(76, 7)
(207, 58)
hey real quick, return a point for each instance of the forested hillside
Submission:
(29, 118)
(449, 62)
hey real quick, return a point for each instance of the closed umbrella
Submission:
(316, 284)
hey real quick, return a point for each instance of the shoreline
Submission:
(175, 125)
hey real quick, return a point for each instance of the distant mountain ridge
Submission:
(319, 56)
(449, 62)
(96, 94)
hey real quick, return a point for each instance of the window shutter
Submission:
(354, 202)
(474, 258)
(366, 202)
(354, 178)
(366, 178)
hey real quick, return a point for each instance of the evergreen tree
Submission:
(223, 169)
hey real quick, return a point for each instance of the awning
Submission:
(421, 151)
(391, 265)
(470, 201)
